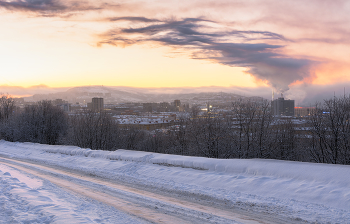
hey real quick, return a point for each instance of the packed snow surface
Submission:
(302, 191)
(27, 199)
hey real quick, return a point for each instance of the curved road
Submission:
(150, 206)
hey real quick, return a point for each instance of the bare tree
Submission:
(41, 123)
(263, 129)
(95, 130)
(331, 131)
(252, 120)
(195, 111)
(7, 106)
(178, 136)
(284, 140)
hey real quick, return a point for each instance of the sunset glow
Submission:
(174, 43)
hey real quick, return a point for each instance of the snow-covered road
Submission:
(149, 206)
(25, 198)
(55, 184)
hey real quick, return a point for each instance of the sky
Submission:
(294, 47)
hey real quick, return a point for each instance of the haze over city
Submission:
(297, 48)
(196, 111)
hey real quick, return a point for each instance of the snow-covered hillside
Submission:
(301, 191)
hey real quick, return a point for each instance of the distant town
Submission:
(141, 110)
(117, 102)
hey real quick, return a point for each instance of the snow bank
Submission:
(67, 150)
(337, 174)
(313, 192)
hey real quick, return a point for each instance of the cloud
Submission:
(129, 18)
(51, 7)
(34, 5)
(258, 51)
(307, 95)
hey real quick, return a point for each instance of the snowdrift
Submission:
(336, 174)
(310, 191)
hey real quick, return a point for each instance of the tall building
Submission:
(177, 103)
(97, 104)
(282, 107)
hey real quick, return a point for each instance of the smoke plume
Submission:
(258, 51)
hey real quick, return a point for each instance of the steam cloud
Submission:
(206, 41)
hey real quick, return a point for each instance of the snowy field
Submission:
(316, 193)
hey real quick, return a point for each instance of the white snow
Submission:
(27, 199)
(308, 191)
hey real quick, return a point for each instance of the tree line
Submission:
(248, 130)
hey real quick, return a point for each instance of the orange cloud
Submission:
(332, 72)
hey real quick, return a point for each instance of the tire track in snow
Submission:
(143, 204)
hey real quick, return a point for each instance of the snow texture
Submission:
(27, 199)
(301, 191)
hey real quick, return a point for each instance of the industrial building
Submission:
(282, 107)
(304, 111)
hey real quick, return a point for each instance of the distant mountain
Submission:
(107, 92)
(115, 94)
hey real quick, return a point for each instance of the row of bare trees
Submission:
(248, 130)
(330, 132)
(41, 123)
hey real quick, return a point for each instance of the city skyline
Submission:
(255, 45)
